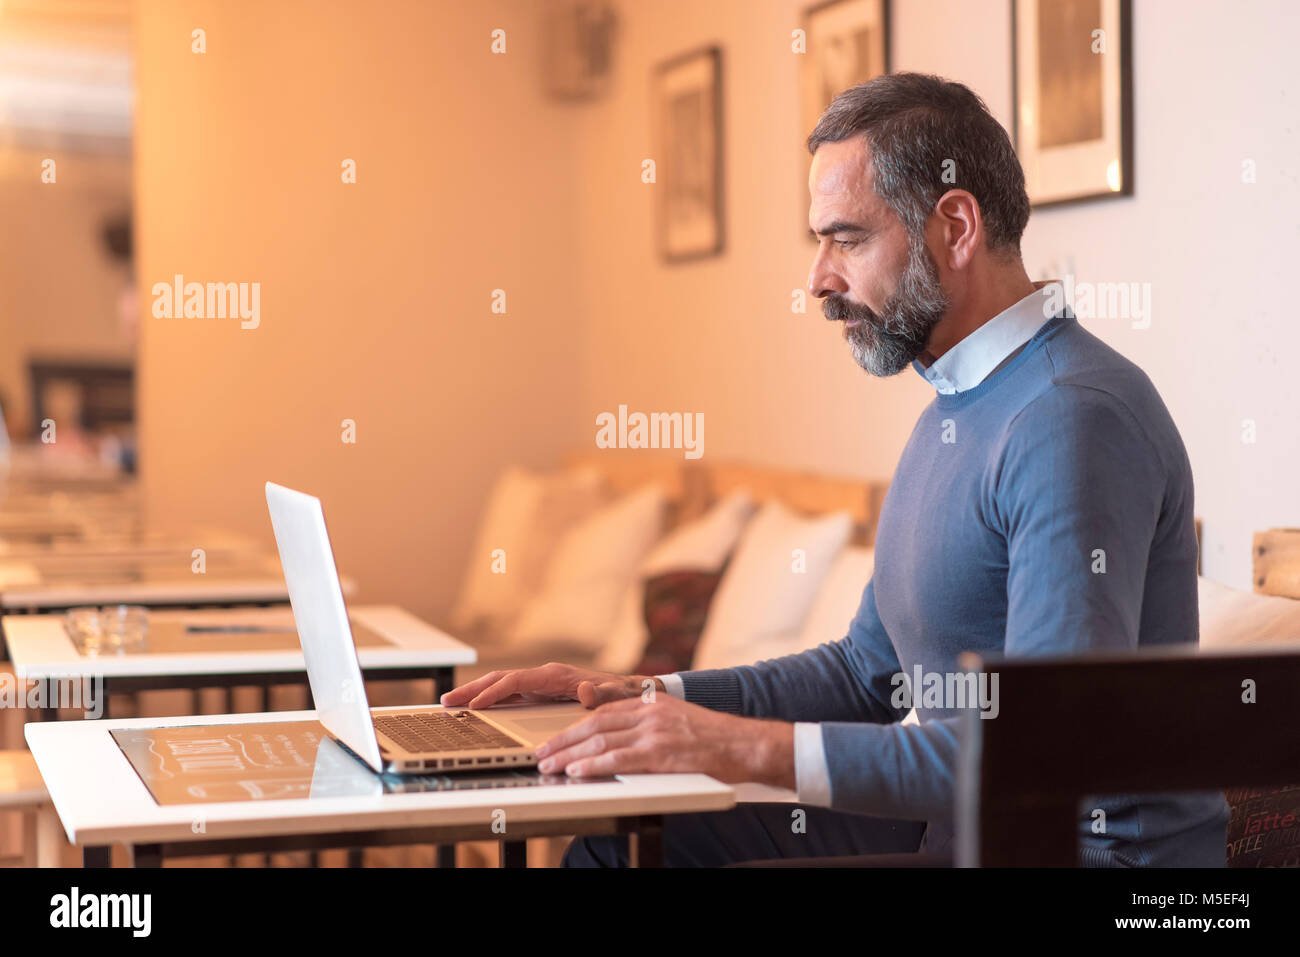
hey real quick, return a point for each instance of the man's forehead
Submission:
(841, 176)
(836, 165)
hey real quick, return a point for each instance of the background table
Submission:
(58, 582)
(41, 650)
(119, 808)
(137, 543)
(40, 515)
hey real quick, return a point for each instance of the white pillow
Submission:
(525, 514)
(838, 602)
(590, 570)
(702, 545)
(768, 590)
(1230, 616)
(839, 598)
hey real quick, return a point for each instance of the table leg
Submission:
(646, 842)
(50, 709)
(444, 855)
(444, 679)
(49, 837)
(30, 852)
(356, 857)
(514, 853)
(146, 855)
(99, 856)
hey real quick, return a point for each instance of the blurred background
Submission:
(456, 252)
(68, 309)
(438, 262)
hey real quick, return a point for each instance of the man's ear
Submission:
(962, 226)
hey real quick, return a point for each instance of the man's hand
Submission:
(668, 735)
(550, 682)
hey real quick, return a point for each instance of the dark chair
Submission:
(1150, 720)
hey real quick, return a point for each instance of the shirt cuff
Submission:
(673, 685)
(812, 776)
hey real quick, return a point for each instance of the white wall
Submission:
(1215, 83)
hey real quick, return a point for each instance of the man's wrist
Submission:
(637, 684)
(774, 755)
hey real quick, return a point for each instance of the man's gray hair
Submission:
(918, 127)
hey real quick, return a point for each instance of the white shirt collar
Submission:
(970, 361)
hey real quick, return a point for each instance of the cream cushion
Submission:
(589, 571)
(525, 515)
(838, 602)
(769, 587)
(704, 545)
(1232, 617)
(839, 597)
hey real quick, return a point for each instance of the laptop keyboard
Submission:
(442, 731)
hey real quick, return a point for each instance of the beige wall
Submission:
(59, 288)
(375, 297)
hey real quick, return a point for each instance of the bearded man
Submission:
(1043, 505)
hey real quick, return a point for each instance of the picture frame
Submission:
(847, 43)
(688, 128)
(1073, 101)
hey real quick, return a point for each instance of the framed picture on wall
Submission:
(847, 43)
(687, 116)
(1072, 85)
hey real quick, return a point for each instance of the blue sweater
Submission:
(1046, 511)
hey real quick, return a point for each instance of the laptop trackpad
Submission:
(542, 727)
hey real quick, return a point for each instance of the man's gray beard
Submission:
(888, 344)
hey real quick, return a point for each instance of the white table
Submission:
(101, 801)
(46, 516)
(41, 650)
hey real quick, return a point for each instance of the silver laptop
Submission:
(415, 741)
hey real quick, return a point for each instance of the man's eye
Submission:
(846, 243)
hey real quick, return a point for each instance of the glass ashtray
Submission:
(110, 630)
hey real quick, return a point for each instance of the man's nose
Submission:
(822, 280)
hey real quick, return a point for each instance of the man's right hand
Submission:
(550, 682)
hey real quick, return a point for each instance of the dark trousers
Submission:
(768, 833)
